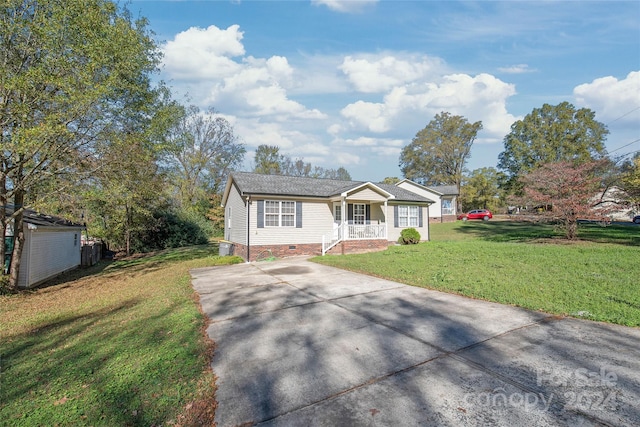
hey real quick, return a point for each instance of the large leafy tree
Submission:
(481, 190)
(203, 149)
(125, 192)
(551, 134)
(69, 70)
(567, 191)
(438, 153)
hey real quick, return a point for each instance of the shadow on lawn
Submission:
(107, 380)
(525, 231)
(135, 264)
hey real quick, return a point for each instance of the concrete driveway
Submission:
(303, 344)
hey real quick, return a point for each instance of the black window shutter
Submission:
(368, 213)
(395, 216)
(260, 213)
(298, 214)
(419, 216)
(350, 213)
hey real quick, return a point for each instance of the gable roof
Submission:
(446, 190)
(442, 190)
(295, 186)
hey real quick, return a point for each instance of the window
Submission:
(447, 208)
(359, 213)
(279, 214)
(408, 216)
(337, 213)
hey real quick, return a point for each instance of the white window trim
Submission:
(279, 214)
(408, 216)
(362, 215)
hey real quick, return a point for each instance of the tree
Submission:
(438, 153)
(269, 161)
(203, 149)
(125, 192)
(69, 70)
(630, 182)
(391, 180)
(480, 190)
(551, 134)
(568, 189)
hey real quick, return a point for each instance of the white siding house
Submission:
(51, 247)
(444, 196)
(281, 215)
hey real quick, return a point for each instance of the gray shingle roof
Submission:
(447, 190)
(31, 216)
(253, 183)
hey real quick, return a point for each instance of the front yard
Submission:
(521, 264)
(123, 345)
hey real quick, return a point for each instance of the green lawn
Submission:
(522, 264)
(119, 344)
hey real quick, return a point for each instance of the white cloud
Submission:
(203, 53)
(345, 6)
(517, 69)
(482, 97)
(210, 65)
(374, 74)
(611, 98)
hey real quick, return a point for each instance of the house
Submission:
(51, 246)
(283, 215)
(445, 197)
(613, 202)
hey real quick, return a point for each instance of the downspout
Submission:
(386, 221)
(429, 224)
(248, 228)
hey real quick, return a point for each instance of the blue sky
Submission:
(349, 83)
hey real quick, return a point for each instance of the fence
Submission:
(91, 254)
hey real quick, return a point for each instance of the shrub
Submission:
(409, 236)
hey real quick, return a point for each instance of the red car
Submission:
(482, 214)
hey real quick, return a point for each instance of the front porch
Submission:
(353, 232)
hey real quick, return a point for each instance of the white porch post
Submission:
(386, 221)
(345, 234)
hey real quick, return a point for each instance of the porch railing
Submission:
(366, 231)
(354, 232)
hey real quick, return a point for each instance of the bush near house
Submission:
(409, 236)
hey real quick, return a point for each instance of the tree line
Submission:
(88, 134)
(554, 159)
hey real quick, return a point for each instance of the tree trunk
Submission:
(127, 231)
(3, 219)
(18, 240)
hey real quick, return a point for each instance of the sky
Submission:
(350, 83)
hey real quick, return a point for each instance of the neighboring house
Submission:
(445, 197)
(52, 246)
(283, 215)
(613, 202)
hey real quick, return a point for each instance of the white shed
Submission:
(52, 246)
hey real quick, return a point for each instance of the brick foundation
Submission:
(443, 218)
(282, 251)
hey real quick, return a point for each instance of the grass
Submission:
(121, 343)
(522, 264)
